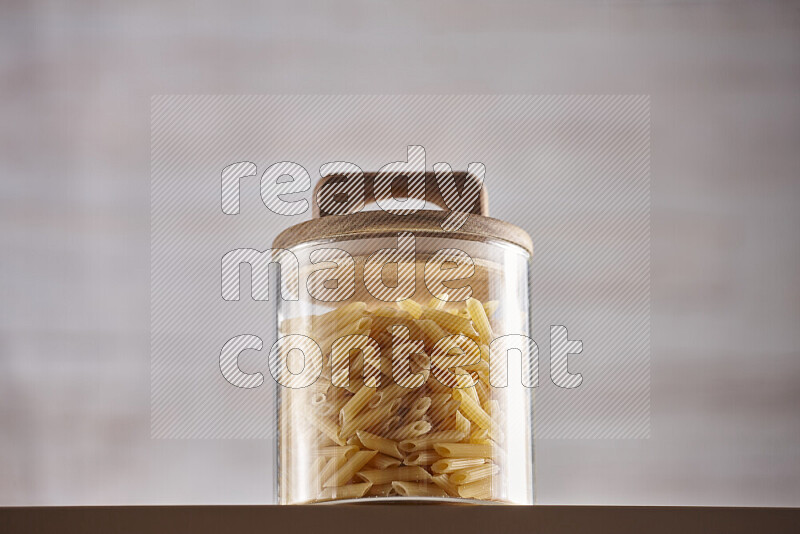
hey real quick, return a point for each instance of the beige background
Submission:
(724, 80)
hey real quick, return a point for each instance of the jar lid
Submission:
(334, 219)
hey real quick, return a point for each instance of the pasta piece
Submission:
(377, 443)
(381, 490)
(317, 399)
(411, 430)
(369, 418)
(472, 410)
(490, 307)
(394, 313)
(431, 332)
(356, 404)
(425, 457)
(444, 482)
(450, 465)
(354, 464)
(418, 409)
(481, 367)
(450, 323)
(353, 440)
(383, 461)
(325, 441)
(351, 491)
(481, 489)
(335, 450)
(411, 307)
(472, 392)
(328, 427)
(419, 363)
(479, 435)
(483, 396)
(442, 414)
(437, 399)
(486, 353)
(394, 390)
(390, 425)
(463, 450)
(415, 489)
(383, 476)
(384, 318)
(473, 474)
(437, 303)
(377, 399)
(478, 315)
(297, 325)
(320, 385)
(360, 326)
(331, 467)
(462, 424)
(316, 468)
(427, 441)
(493, 408)
(472, 351)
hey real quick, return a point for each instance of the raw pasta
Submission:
(391, 440)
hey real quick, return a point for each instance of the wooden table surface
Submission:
(389, 519)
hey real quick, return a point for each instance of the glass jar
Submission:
(395, 400)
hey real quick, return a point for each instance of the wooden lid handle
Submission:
(432, 192)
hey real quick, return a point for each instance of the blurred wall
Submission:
(724, 80)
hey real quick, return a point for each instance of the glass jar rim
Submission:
(427, 223)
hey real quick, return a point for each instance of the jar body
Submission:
(403, 406)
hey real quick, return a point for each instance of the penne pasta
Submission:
(479, 318)
(476, 490)
(357, 327)
(390, 425)
(381, 490)
(490, 307)
(336, 450)
(450, 465)
(479, 435)
(384, 461)
(437, 303)
(383, 445)
(427, 441)
(418, 409)
(333, 465)
(317, 467)
(463, 450)
(353, 440)
(443, 481)
(348, 470)
(411, 430)
(462, 424)
(472, 410)
(431, 332)
(411, 307)
(473, 474)
(355, 404)
(483, 395)
(450, 323)
(424, 457)
(328, 427)
(413, 473)
(351, 491)
(369, 418)
(416, 489)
